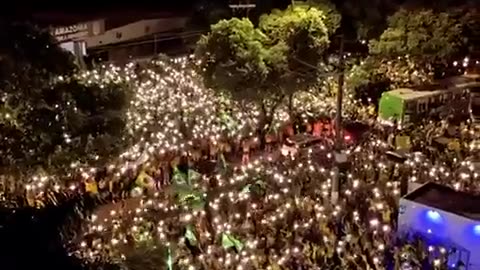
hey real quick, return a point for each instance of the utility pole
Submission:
(341, 79)
(340, 157)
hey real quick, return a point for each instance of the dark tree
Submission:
(47, 117)
(362, 19)
(36, 238)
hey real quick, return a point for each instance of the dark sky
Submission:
(72, 11)
(67, 12)
(91, 5)
(75, 10)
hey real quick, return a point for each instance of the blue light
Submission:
(435, 217)
(432, 223)
(476, 230)
(471, 234)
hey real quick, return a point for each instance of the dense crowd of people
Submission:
(204, 192)
(274, 212)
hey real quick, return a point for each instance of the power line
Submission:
(329, 74)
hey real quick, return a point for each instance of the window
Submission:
(118, 35)
(147, 29)
(410, 107)
(422, 106)
(419, 106)
(96, 28)
(83, 47)
(475, 104)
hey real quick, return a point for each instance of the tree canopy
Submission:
(268, 63)
(238, 58)
(305, 30)
(423, 34)
(332, 18)
(361, 18)
(48, 116)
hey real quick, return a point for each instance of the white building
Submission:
(72, 38)
(443, 216)
(121, 42)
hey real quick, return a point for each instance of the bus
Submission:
(475, 99)
(451, 97)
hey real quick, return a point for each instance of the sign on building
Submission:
(78, 31)
(71, 32)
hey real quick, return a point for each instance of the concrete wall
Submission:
(135, 30)
(443, 227)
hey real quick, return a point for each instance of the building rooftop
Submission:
(427, 90)
(410, 94)
(447, 199)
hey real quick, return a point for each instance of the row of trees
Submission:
(49, 118)
(296, 49)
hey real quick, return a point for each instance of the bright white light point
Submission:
(434, 216)
(476, 230)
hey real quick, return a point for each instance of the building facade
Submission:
(119, 41)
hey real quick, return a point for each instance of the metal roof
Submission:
(427, 90)
(410, 94)
(447, 199)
